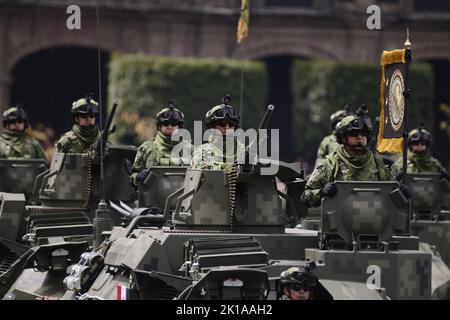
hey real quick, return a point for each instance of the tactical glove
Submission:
(142, 175)
(405, 190)
(399, 175)
(329, 190)
(445, 175)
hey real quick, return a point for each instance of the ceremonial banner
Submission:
(394, 75)
(242, 30)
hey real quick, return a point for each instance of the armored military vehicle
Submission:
(227, 238)
(431, 211)
(65, 222)
(18, 175)
(235, 247)
(210, 238)
(69, 216)
(365, 237)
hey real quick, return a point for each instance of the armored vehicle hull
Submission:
(431, 211)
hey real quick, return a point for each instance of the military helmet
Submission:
(86, 105)
(419, 135)
(223, 111)
(298, 278)
(170, 115)
(339, 115)
(357, 122)
(14, 114)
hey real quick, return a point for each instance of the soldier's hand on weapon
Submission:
(405, 190)
(399, 175)
(329, 190)
(445, 175)
(142, 175)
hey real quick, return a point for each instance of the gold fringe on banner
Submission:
(388, 145)
(394, 56)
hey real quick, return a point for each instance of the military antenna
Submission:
(102, 180)
(102, 220)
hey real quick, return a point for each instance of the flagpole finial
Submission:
(408, 43)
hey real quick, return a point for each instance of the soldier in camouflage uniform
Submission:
(222, 148)
(297, 283)
(352, 161)
(419, 157)
(329, 143)
(84, 131)
(14, 141)
(158, 151)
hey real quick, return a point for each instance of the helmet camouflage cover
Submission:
(13, 114)
(298, 278)
(85, 105)
(339, 115)
(221, 112)
(357, 122)
(419, 135)
(170, 115)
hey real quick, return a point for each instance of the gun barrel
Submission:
(109, 120)
(266, 118)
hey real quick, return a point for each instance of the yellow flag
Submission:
(242, 30)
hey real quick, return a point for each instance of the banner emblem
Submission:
(396, 100)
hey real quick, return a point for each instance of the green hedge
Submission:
(320, 88)
(144, 84)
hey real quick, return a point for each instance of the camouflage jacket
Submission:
(211, 156)
(77, 141)
(418, 163)
(158, 152)
(20, 145)
(338, 166)
(326, 147)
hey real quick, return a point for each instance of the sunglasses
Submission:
(223, 123)
(170, 123)
(356, 133)
(420, 142)
(15, 121)
(299, 287)
(85, 116)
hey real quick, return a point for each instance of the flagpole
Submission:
(242, 33)
(406, 96)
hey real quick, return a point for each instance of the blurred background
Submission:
(307, 57)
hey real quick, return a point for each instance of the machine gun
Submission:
(263, 125)
(100, 144)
